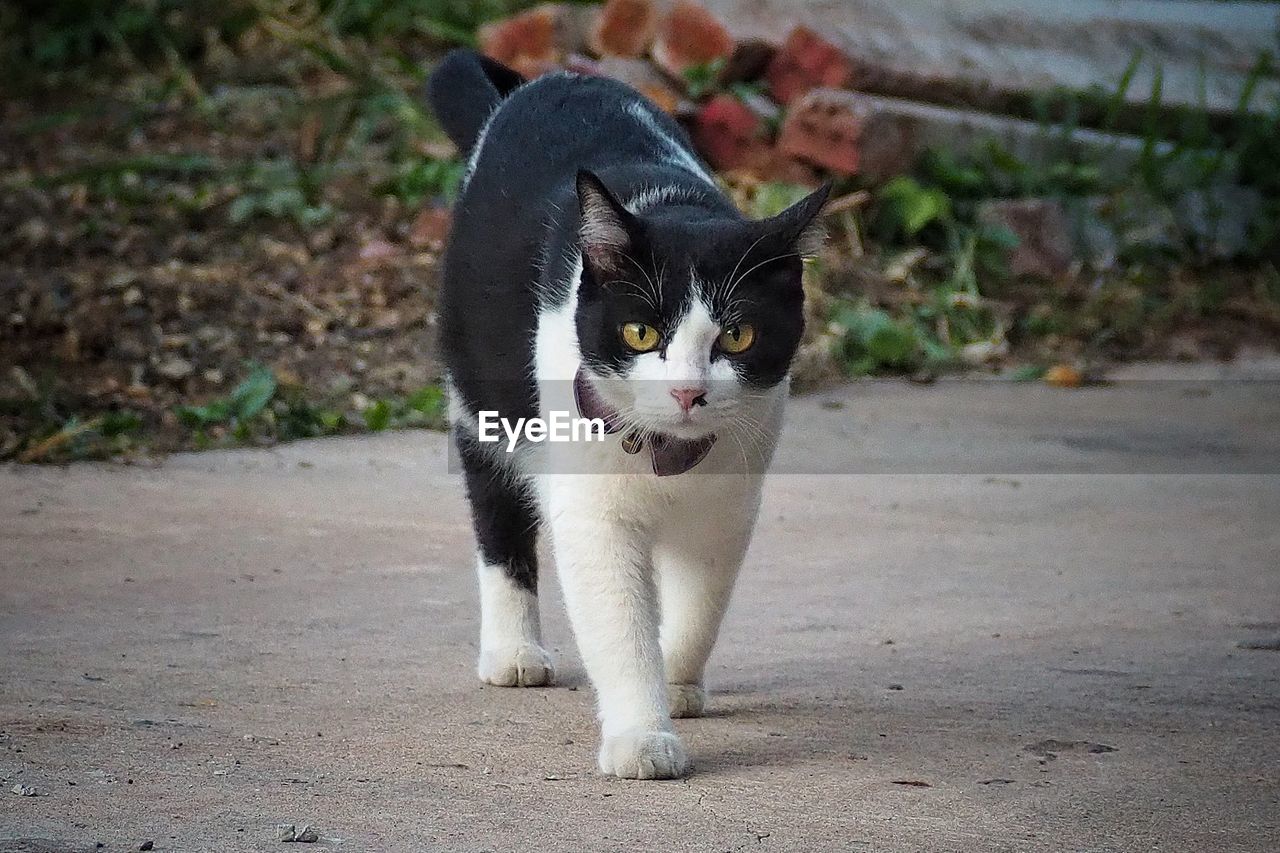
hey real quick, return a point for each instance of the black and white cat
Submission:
(595, 268)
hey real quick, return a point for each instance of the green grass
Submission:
(262, 410)
(71, 35)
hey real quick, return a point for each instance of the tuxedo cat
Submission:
(594, 267)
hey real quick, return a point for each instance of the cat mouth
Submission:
(670, 452)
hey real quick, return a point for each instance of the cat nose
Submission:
(689, 397)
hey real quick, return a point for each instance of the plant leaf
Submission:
(378, 416)
(914, 207)
(252, 395)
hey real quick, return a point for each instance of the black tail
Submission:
(464, 90)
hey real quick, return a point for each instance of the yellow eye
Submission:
(640, 336)
(736, 339)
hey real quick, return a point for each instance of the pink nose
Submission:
(689, 397)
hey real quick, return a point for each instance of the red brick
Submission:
(781, 168)
(888, 134)
(690, 36)
(537, 41)
(807, 61)
(847, 133)
(763, 162)
(730, 135)
(625, 28)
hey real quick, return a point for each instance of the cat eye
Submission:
(736, 339)
(641, 337)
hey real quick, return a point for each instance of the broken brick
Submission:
(780, 168)
(765, 163)
(807, 61)
(642, 77)
(536, 41)
(730, 134)
(847, 133)
(525, 42)
(872, 135)
(690, 36)
(734, 134)
(624, 28)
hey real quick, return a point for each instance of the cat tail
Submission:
(464, 90)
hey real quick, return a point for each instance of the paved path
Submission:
(196, 652)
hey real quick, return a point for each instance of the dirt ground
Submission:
(923, 660)
(142, 307)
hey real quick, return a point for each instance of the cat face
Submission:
(685, 317)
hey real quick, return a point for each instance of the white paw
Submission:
(686, 700)
(639, 754)
(525, 665)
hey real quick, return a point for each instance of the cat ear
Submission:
(604, 223)
(797, 227)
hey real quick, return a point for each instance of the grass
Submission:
(59, 429)
(67, 35)
(260, 410)
(369, 55)
(951, 312)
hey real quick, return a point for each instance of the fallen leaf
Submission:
(1063, 376)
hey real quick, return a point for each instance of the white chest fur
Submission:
(646, 563)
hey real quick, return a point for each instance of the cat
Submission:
(594, 266)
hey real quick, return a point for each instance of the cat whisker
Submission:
(646, 296)
(657, 291)
(736, 266)
(756, 267)
(742, 451)
(738, 437)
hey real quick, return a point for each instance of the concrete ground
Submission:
(920, 660)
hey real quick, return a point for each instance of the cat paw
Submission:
(686, 700)
(640, 754)
(525, 665)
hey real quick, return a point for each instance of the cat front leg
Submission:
(607, 580)
(696, 567)
(506, 528)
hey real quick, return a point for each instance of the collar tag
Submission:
(669, 455)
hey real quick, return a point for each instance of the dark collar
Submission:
(670, 455)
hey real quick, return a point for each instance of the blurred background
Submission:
(221, 222)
